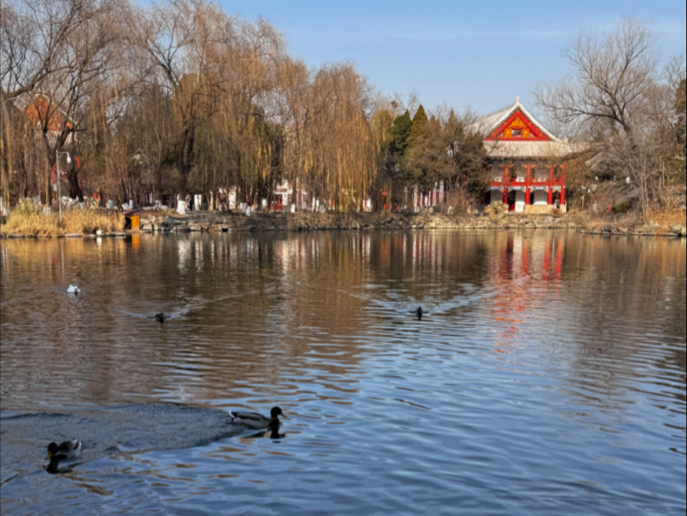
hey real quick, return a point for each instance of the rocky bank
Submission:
(224, 222)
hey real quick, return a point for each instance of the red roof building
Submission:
(526, 161)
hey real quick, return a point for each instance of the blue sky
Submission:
(466, 54)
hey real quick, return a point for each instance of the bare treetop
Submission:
(612, 75)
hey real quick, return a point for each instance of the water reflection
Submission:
(251, 306)
(540, 350)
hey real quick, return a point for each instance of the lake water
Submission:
(548, 377)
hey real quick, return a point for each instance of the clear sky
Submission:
(479, 54)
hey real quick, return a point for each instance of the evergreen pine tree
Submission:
(401, 131)
(419, 126)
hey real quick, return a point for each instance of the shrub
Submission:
(623, 207)
(496, 210)
(28, 219)
(89, 221)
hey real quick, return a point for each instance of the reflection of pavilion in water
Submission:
(523, 265)
(522, 256)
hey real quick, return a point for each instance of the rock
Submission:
(678, 229)
(646, 229)
(73, 235)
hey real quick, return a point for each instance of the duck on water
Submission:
(65, 451)
(258, 421)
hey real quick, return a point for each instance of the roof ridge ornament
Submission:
(517, 100)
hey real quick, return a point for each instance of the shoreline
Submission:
(215, 222)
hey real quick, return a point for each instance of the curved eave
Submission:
(491, 122)
(529, 149)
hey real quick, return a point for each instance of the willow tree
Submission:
(252, 59)
(340, 137)
(179, 44)
(293, 103)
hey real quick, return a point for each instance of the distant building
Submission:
(42, 111)
(527, 162)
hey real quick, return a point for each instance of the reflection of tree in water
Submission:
(262, 307)
(426, 265)
(641, 329)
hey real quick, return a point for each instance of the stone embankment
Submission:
(676, 230)
(215, 222)
(223, 222)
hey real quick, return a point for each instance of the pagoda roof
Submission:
(491, 122)
(541, 143)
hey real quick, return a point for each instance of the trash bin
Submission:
(132, 220)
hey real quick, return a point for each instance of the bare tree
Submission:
(54, 51)
(612, 76)
(618, 98)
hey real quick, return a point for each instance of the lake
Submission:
(548, 376)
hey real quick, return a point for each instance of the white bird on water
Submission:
(73, 289)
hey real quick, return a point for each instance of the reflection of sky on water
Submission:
(546, 359)
(249, 305)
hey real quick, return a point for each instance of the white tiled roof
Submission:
(531, 149)
(555, 148)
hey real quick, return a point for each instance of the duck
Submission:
(257, 421)
(419, 312)
(73, 289)
(160, 317)
(66, 451)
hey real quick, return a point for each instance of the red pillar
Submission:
(549, 198)
(505, 184)
(528, 180)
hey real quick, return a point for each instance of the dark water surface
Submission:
(547, 379)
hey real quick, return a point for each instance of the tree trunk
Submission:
(73, 178)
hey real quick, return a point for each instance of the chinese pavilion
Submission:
(526, 161)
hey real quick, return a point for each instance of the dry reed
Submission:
(28, 219)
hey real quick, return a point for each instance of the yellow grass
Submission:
(660, 218)
(28, 220)
(665, 218)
